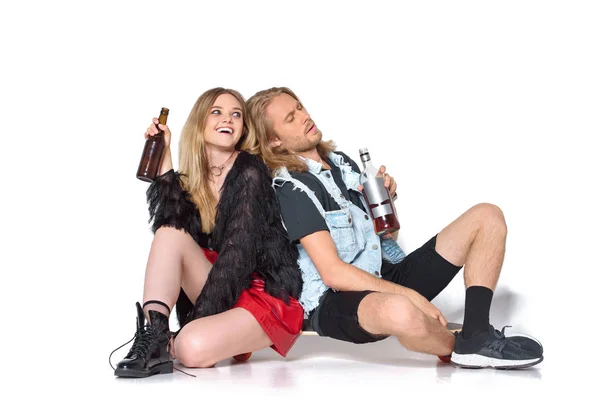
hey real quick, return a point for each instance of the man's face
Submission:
(293, 126)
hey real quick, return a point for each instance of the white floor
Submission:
(316, 367)
(77, 367)
(68, 358)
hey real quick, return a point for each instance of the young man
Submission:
(360, 287)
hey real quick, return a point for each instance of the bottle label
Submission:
(377, 193)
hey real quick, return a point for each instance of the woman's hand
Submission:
(167, 163)
(153, 130)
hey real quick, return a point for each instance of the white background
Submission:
(463, 101)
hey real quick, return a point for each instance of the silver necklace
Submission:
(219, 168)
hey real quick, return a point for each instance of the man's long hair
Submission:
(194, 164)
(262, 130)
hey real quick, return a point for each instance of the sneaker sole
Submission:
(476, 361)
(166, 368)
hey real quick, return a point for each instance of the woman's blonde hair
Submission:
(193, 160)
(262, 130)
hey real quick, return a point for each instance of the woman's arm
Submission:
(170, 205)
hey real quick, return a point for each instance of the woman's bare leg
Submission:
(175, 261)
(205, 341)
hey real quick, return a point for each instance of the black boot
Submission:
(149, 354)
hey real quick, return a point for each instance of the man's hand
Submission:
(388, 182)
(391, 186)
(424, 305)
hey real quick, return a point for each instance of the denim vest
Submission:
(350, 227)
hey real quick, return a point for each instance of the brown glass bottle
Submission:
(153, 151)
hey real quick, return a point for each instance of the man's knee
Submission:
(490, 216)
(398, 315)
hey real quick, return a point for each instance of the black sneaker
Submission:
(492, 348)
(526, 341)
(149, 354)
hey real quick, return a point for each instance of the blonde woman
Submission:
(220, 252)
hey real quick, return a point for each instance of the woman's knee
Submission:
(170, 233)
(193, 351)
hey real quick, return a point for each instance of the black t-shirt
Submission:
(298, 211)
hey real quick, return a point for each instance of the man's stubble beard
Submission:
(309, 144)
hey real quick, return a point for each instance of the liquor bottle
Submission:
(153, 151)
(377, 196)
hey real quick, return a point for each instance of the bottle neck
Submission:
(366, 162)
(162, 119)
(368, 166)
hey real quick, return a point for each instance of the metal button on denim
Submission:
(375, 247)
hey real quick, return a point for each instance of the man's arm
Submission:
(341, 276)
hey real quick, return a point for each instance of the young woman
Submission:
(220, 252)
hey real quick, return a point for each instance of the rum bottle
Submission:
(377, 196)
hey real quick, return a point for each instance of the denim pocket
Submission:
(341, 228)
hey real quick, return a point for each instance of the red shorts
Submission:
(281, 322)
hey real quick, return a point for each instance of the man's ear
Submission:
(275, 142)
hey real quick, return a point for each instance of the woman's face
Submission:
(225, 122)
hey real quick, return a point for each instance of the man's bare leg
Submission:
(477, 240)
(396, 315)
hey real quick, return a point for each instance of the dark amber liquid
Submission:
(153, 151)
(386, 223)
(151, 158)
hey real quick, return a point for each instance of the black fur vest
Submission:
(248, 236)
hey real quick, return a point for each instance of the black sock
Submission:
(478, 300)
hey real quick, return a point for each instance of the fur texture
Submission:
(170, 205)
(248, 236)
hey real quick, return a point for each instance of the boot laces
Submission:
(142, 340)
(141, 343)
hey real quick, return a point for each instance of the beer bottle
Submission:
(153, 151)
